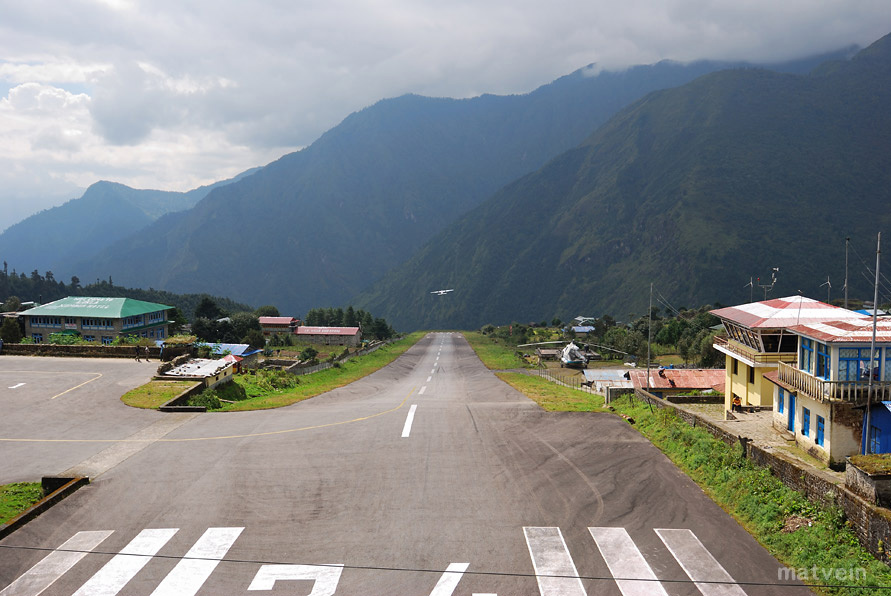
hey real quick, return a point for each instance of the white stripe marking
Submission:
(699, 564)
(449, 580)
(193, 570)
(406, 430)
(325, 577)
(55, 565)
(423, 389)
(16, 386)
(432, 371)
(112, 578)
(430, 378)
(625, 562)
(554, 569)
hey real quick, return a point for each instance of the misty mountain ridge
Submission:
(319, 225)
(693, 189)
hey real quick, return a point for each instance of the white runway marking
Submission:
(554, 569)
(423, 389)
(626, 562)
(449, 580)
(430, 378)
(432, 371)
(192, 571)
(17, 386)
(698, 563)
(325, 577)
(55, 565)
(112, 578)
(406, 430)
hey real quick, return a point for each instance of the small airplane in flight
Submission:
(442, 292)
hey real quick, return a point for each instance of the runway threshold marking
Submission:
(625, 561)
(450, 579)
(112, 578)
(699, 564)
(217, 438)
(406, 430)
(554, 569)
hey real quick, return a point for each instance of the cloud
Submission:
(168, 94)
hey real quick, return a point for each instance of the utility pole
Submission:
(828, 289)
(847, 241)
(873, 369)
(751, 286)
(649, 334)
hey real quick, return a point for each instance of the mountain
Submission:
(317, 226)
(693, 189)
(106, 213)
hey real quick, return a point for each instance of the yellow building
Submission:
(758, 339)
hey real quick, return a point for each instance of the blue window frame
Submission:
(780, 399)
(806, 355)
(823, 361)
(853, 363)
(875, 439)
(821, 429)
(805, 422)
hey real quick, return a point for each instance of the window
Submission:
(161, 333)
(133, 321)
(805, 422)
(806, 355)
(821, 428)
(823, 366)
(37, 337)
(752, 374)
(155, 317)
(781, 397)
(853, 364)
(735, 366)
(107, 340)
(89, 338)
(875, 439)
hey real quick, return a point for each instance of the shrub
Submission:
(207, 398)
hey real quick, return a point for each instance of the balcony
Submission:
(734, 348)
(823, 390)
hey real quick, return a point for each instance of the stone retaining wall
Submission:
(79, 351)
(871, 524)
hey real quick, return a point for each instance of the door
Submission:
(791, 425)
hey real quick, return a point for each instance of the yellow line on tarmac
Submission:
(183, 440)
(81, 385)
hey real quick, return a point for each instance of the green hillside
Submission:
(317, 226)
(694, 189)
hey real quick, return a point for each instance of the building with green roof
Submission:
(97, 319)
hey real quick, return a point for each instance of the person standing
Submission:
(136, 348)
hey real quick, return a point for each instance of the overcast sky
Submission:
(169, 94)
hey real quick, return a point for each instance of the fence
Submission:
(307, 369)
(574, 382)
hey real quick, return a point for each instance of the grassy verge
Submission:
(155, 393)
(553, 397)
(15, 498)
(497, 356)
(259, 398)
(802, 535)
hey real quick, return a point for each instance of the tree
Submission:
(254, 338)
(267, 311)
(10, 332)
(175, 321)
(308, 354)
(349, 317)
(12, 304)
(208, 309)
(242, 322)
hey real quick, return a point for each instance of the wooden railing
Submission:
(823, 390)
(752, 354)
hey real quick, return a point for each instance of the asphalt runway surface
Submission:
(429, 477)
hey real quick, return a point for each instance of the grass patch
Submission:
(261, 398)
(154, 394)
(495, 355)
(553, 397)
(877, 463)
(801, 534)
(17, 497)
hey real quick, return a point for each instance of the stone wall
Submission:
(79, 351)
(870, 523)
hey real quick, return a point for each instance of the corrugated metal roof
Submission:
(327, 330)
(277, 320)
(679, 378)
(83, 306)
(853, 331)
(784, 312)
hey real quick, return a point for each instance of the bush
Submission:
(207, 398)
(275, 380)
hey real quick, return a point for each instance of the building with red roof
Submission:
(342, 336)
(273, 325)
(665, 382)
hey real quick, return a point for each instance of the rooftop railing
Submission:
(729, 345)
